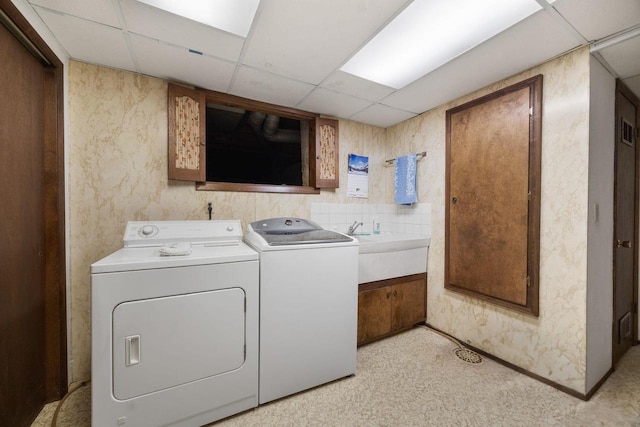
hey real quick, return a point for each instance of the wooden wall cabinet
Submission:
(389, 306)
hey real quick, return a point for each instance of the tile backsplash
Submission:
(414, 219)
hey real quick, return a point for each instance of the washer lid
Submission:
(295, 231)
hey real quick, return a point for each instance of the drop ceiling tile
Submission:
(101, 11)
(356, 86)
(262, 86)
(624, 57)
(178, 64)
(307, 40)
(523, 46)
(160, 25)
(595, 19)
(381, 115)
(332, 103)
(88, 41)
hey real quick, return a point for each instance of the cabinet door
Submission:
(408, 304)
(326, 154)
(493, 182)
(374, 314)
(187, 139)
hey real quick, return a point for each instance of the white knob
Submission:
(147, 230)
(230, 228)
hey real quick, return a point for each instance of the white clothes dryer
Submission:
(175, 326)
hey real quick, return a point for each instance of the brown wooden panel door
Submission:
(22, 296)
(488, 192)
(408, 306)
(624, 223)
(374, 314)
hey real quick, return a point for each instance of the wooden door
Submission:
(22, 309)
(326, 149)
(489, 205)
(492, 213)
(187, 134)
(408, 306)
(374, 314)
(625, 214)
(32, 289)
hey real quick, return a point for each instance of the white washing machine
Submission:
(175, 326)
(308, 305)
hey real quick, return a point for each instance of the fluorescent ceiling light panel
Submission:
(233, 16)
(430, 33)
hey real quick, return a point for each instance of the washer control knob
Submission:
(147, 230)
(229, 227)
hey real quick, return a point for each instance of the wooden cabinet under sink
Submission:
(389, 306)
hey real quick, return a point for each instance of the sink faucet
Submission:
(353, 227)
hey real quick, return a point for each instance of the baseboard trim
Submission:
(530, 374)
(599, 383)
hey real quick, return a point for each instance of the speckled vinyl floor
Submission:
(413, 379)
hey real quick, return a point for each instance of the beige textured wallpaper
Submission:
(553, 345)
(117, 172)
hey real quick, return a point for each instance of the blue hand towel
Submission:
(405, 180)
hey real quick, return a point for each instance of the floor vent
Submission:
(468, 356)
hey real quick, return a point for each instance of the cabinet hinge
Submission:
(531, 111)
(528, 281)
(529, 196)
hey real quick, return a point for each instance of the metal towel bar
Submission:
(420, 155)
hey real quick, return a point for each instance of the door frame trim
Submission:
(54, 203)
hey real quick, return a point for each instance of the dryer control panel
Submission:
(158, 233)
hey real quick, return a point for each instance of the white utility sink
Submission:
(387, 255)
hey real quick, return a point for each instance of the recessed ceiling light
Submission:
(430, 33)
(233, 16)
